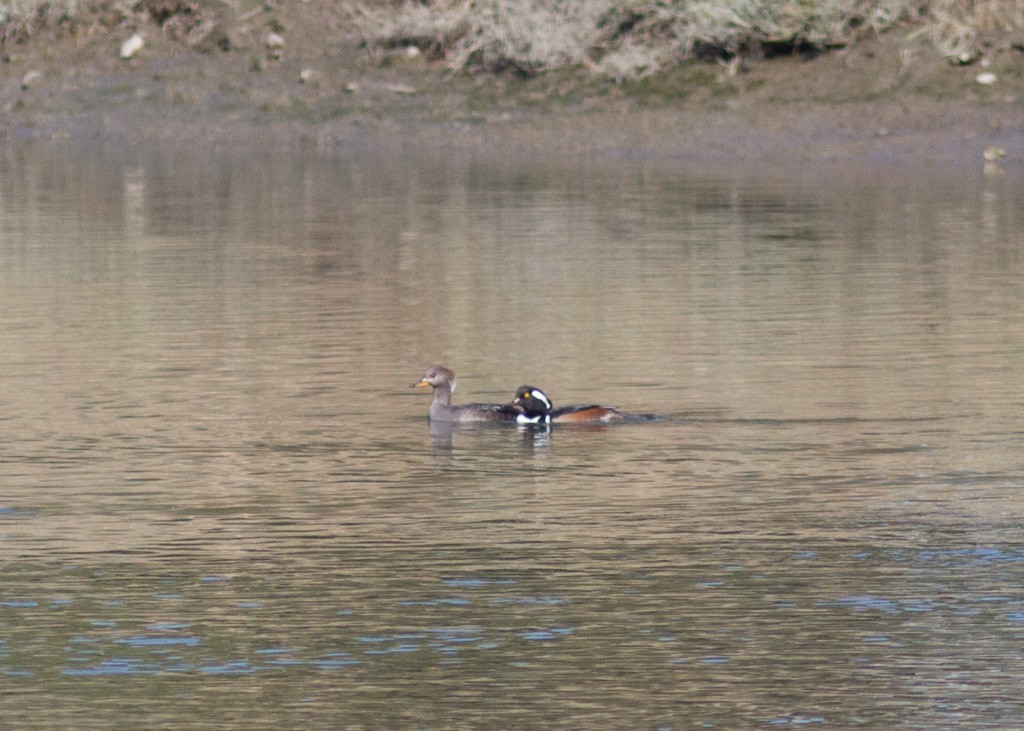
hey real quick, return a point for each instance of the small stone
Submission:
(993, 153)
(400, 89)
(352, 86)
(986, 77)
(274, 41)
(412, 52)
(28, 79)
(307, 75)
(132, 46)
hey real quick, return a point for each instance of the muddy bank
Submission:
(881, 101)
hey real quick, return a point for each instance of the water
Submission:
(221, 505)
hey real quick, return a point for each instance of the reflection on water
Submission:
(216, 481)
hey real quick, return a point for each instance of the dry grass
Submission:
(200, 24)
(633, 38)
(961, 30)
(19, 18)
(620, 39)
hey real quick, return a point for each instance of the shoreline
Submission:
(862, 105)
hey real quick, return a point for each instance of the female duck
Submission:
(442, 380)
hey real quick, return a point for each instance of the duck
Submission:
(536, 408)
(443, 381)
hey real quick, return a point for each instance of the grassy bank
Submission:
(618, 39)
(629, 39)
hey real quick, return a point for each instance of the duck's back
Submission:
(473, 413)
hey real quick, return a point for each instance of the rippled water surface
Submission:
(221, 504)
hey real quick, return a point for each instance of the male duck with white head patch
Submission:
(537, 408)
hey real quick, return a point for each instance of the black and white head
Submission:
(535, 405)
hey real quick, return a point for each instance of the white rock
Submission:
(28, 79)
(993, 153)
(986, 78)
(274, 41)
(132, 46)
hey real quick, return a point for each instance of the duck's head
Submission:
(437, 376)
(532, 401)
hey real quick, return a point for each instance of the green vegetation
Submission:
(632, 39)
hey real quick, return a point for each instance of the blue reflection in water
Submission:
(149, 641)
(531, 601)
(967, 556)
(795, 720)
(8, 512)
(239, 667)
(166, 644)
(285, 662)
(401, 644)
(453, 635)
(467, 583)
(334, 661)
(862, 603)
(919, 606)
(120, 666)
(554, 633)
(400, 648)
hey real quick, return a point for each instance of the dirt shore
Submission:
(883, 100)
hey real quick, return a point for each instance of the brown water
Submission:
(221, 504)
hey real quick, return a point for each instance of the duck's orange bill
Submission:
(422, 382)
